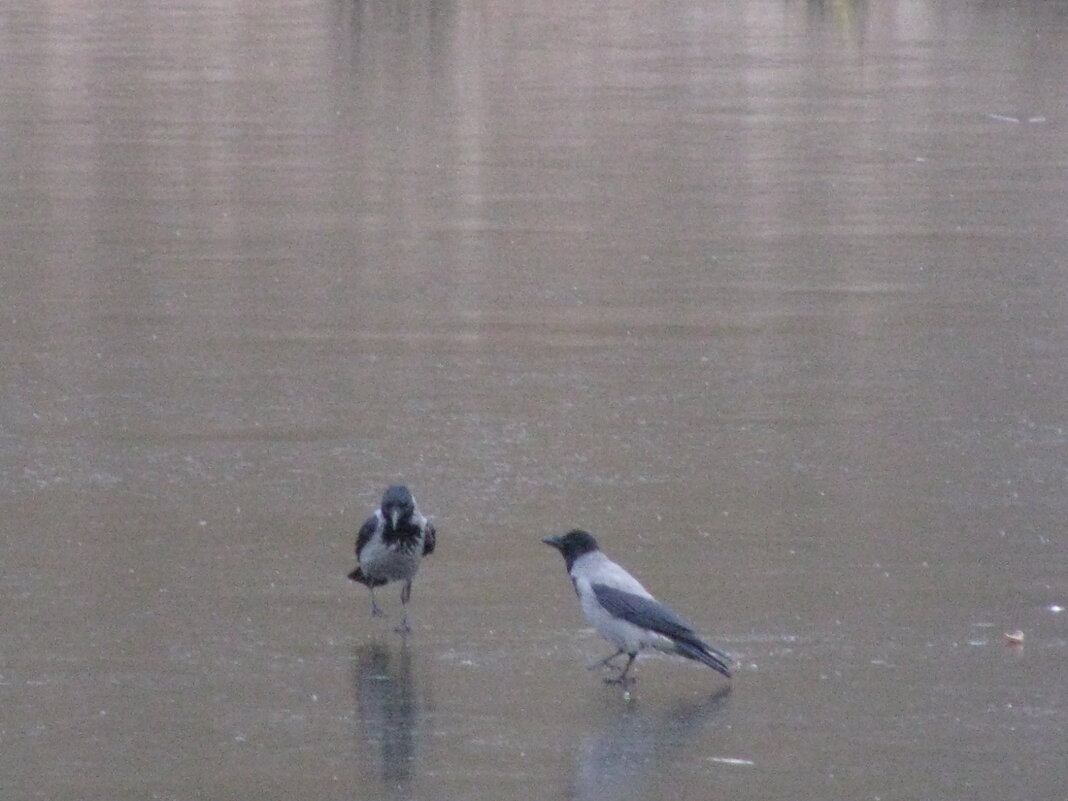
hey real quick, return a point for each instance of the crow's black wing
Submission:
(648, 613)
(367, 530)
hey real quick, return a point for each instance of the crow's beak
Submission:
(393, 517)
(553, 541)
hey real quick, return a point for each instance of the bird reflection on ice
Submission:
(633, 746)
(387, 709)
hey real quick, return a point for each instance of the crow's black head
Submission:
(573, 545)
(397, 505)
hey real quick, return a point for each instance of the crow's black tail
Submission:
(705, 654)
(358, 575)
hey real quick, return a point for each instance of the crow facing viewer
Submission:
(390, 545)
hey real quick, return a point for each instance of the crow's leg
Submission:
(622, 677)
(406, 594)
(606, 662)
(375, 610)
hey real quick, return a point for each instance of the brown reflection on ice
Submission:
(771, 294)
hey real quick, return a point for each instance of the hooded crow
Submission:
(390, 545)
(624, 613)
